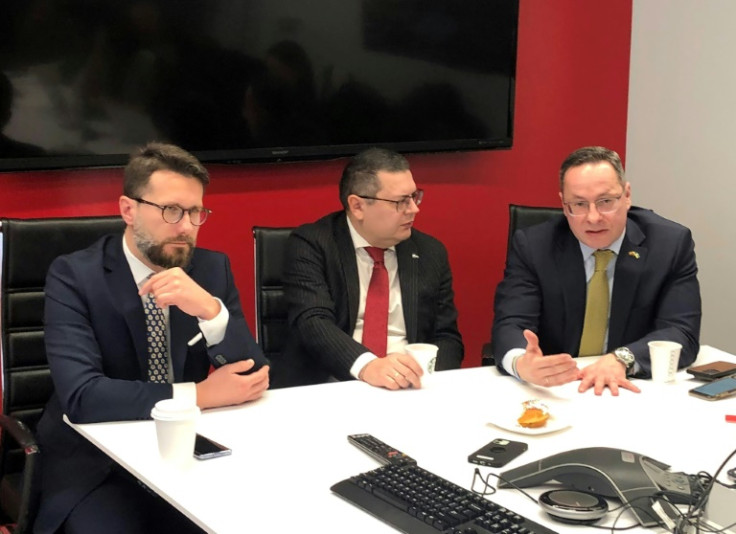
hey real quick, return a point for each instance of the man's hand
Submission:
(536, 368)
(607, 372)
(395, 371)
(174, 287)
(225, 387)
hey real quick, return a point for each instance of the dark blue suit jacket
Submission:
(96, 349)
(656, 295)
(323, 294)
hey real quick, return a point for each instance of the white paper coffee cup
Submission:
(426, 356)
(175, 430)
(664, 357)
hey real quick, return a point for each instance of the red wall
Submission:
(571, 90)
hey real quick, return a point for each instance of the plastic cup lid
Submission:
(174, 409)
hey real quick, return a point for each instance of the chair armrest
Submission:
(20, 433)
(486, 355)
(27, 495)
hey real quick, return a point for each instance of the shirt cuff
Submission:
(214, 329)
(362, 360)
(186, 391)
(509, 361)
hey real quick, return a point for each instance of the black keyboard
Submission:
(415, 501)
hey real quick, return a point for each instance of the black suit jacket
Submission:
(96, 349)
(656, 295)
(322, 294)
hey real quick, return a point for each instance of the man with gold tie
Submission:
(362, 283)
(603, 280)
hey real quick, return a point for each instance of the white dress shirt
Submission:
(396, 323)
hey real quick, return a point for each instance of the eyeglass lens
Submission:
(603, 205)
(174, 214)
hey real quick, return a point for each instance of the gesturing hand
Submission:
(552, 370)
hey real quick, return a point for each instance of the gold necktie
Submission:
(596, 307)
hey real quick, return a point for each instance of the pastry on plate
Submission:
(535, 414)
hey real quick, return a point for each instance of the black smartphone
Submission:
(497, 453)
(718, 389)
(713, 371)
(205, 448)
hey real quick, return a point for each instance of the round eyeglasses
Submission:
(173, 214)
(403, 204)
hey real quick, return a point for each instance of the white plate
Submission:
(554, 423)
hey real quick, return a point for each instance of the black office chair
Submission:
(519, 217)
(271, 314)
(28, 248)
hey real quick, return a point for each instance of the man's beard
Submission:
(155, 253)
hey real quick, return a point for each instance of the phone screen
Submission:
(725, 387)
(205, 448)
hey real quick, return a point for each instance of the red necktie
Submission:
(375, 319)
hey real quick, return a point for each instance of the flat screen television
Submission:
(85, 81)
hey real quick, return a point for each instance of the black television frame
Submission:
(304, 152)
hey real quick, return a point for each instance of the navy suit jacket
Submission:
(656, 295)
(96, 349)
(323, 294)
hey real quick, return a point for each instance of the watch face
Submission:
(625, 356)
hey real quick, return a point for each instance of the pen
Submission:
(195, 339)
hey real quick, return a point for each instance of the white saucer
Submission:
(554, 424)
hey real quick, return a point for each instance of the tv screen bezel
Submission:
(246, 155)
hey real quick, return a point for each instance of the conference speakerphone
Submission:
(628, 476)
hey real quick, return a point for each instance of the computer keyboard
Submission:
(415, 501)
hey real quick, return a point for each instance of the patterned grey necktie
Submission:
(158, 361)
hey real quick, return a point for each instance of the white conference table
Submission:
(291, 446)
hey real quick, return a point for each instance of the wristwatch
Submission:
(626, 357)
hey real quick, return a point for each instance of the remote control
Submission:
(380, 450)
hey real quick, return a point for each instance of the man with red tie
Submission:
(362, 283)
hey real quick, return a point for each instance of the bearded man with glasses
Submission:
(604, 279)
(330, 286)
(136, 318)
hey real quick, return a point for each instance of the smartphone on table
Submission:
(205, 448)
(498, 452)
(716, 390)
(713, 371)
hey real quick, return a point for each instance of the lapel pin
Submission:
(634, 254)
(415, 255)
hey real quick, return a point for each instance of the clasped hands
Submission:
(396, 371)
(557, 369)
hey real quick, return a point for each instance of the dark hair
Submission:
(360, 176)
(592, 154)
(153, 157)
